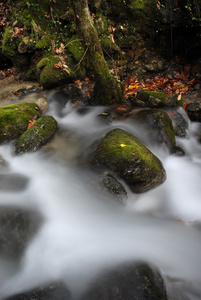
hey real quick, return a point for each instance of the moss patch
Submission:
(44, 43)
(14, 119)
(74, 45)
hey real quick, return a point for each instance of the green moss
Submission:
(43, 62)
(32, 139)
(44, 43)
(137, 4)
(14, 119)
(108, 45)
(75, 47)
(9, 46)
(101, 23)
(152, 99)
(166, 121)
(120, 145)
(136, 102)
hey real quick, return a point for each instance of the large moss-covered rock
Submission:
(14, 119)
(43, 129)
(128, 282)
(125, 155)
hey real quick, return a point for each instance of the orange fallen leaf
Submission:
(31, 123)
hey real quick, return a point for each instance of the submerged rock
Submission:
(17, 227)
(13, 182)
(122, 153)
(51, 291)
(32, 139)
(14, 119)
(111, 185)
(159, 126)
(3, 163)
(129, 282)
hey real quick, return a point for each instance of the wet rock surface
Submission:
(179, 121)
(109, 184)
(133, 282)
(13, 182)
(52, 291)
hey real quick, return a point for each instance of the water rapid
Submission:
(83, 231)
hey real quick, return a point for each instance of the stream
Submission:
(85, 231)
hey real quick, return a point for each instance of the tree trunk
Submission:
(107, 90)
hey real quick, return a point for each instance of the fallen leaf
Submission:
(31, 123)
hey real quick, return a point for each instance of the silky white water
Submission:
(84, 232)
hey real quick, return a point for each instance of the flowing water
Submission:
(84, 231)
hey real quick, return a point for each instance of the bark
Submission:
(107, 90)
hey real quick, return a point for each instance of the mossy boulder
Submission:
(130, 281)
(152, 99)
(51, 73)
(122, 153)
(14, 119)
(159, 126)
(31, 140)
